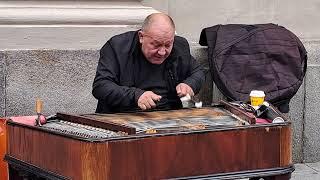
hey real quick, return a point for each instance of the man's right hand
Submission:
(147, 100)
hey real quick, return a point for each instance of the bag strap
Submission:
(240, 39)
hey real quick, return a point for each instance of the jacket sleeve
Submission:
(196, 75)
(106, 83)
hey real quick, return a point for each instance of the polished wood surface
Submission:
(154, 157)
(3, 147)
(160, 155)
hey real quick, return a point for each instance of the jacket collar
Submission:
(136, 46)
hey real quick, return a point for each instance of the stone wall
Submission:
(63, 79)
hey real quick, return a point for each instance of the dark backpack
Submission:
(264, 57)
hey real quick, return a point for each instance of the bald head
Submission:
(157, 37)
(157, 20)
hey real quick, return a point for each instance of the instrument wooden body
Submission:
(191, 152)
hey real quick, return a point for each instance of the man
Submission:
(146, 69)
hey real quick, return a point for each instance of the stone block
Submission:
(296, 117)
(62, 79)
(311, 149)
(312, 48)
(305, 26)
(191, 16)
(2, 83)
(71, 38)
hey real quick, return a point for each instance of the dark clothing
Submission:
(124, 74)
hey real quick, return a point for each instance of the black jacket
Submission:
(122, 74)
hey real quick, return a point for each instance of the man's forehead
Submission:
(160, 37)
(163, 39)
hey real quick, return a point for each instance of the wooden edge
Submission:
(285, 145)
(250, 118)
(96, 123)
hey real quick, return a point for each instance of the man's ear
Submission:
(140, 34)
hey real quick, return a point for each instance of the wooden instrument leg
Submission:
(14, 174)
(17, 174)
(280, 177)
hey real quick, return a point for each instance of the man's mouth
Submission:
(159, 57)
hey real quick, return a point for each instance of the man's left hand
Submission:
(184, 89)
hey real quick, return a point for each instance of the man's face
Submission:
(156, 45)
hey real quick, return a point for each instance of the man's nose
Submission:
(162, 51)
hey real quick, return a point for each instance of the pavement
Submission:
(306, 171)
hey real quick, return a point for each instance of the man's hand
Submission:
(184, 89)
(147, 100)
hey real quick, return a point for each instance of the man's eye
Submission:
(156, 45)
